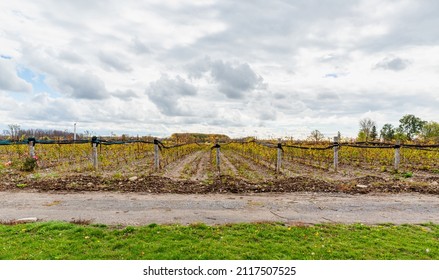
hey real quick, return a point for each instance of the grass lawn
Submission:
(58, 240)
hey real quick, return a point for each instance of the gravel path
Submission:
(293, 208)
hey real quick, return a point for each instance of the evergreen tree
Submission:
(373, 133)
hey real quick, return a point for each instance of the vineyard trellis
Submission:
(102, 154)
(106, 154)
(342, 153)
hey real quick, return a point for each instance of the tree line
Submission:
(410, 128)
(16, 133)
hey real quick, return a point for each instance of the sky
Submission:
(270, 69)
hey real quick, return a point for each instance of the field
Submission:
(238, 168)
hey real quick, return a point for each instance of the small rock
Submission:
(362, 186)
(90, 184)
(27, 220)
(435, 183)
(132, 179)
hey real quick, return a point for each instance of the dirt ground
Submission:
(223, 184)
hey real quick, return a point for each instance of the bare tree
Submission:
(14, 130)
(366, 126)
(316, 136)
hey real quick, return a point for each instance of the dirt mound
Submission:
(223, 184)
(304, 184)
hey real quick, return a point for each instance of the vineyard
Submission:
(233, 166)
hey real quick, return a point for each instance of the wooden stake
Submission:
(397, 155)
(95, 155)
(156, 155)
(31, 147)
(336, 148)
(279, 156)
(218, 152)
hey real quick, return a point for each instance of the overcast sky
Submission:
(278, 68)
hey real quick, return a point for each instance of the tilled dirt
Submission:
(175, 169)
(223, 184)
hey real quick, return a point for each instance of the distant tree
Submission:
(430, 132)
(411, 126)
(366, 126)
(316, 136)
(361, 136)
(387, 132)
(14, 130)
(373, 133)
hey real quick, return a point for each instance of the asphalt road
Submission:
(140, 209)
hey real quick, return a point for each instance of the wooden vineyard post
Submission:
(156, 155)
(336, 148)
(94, 144)
(31, 143)
(279, 157)
(218, 151)
(397, 155)
(74, 132)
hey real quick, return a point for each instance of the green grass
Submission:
(56, 240)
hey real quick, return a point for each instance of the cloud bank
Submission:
(265, 68)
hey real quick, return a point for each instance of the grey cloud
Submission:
(114, 62)
(124, 95)
(139, 47)
(234, 80)
(327, 101)
(327, 96)
(392, 63)
(295, 107)
(197, 69)
(267, 115)
(261, 28)
(70, 56)
(80, 85)
(290, 25)
(279, 96)
(350, 103)
(413, 26)
(165, 93)
(9, 79)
